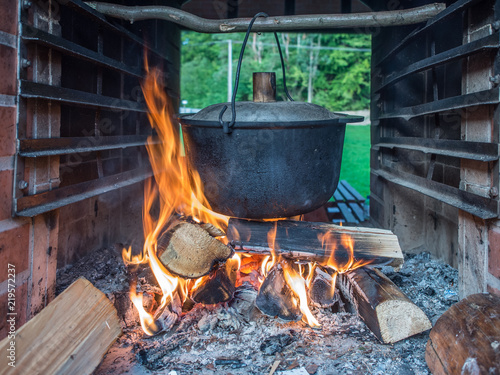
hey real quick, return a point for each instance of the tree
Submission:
(331, 70)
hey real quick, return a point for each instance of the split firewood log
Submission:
(322, 288)
(70, 335)
(466, 338)
(276, 298)
(385, 309)
(190, 251)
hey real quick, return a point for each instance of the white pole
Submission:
(229, 69)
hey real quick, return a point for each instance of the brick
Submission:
(14, 249)
(494, 252)
(8, 16)
(8, 60)
(21, 303)
(6, 194)
(493, 291)
(7, 131)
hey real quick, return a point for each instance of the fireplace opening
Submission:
(113, 240)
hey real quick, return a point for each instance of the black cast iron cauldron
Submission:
(266, 159)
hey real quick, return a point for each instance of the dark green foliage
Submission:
(339, 78)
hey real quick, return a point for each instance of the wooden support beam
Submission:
(466, 338)
(299, 240)
(385, 309)
(69, 336)
(280, 23)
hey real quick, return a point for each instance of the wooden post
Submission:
(264, 87)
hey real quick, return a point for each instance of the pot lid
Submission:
(279, 114)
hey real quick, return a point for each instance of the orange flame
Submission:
(148, 323)
(177, 188)
(297, 283)
(330, 245)
(271, 241)
(129, 259)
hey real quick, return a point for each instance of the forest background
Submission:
(330, 70)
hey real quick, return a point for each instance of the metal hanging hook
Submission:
(227, 126)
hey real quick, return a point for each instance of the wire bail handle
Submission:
(227, 126)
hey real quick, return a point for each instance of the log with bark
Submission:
(466, 338)
(301, 240)
(69, 336)
(279, 23)
(321, 290)
(384, 308)
(191, 250)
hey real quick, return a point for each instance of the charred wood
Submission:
(218, 287)
(301, 240)
(322, 288)
(276, 298)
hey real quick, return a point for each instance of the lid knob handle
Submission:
(264, 87)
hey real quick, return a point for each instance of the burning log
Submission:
(322, 288)
(466, 338)
(166, 316)
(190, 251)
(276, 298)
(217, 287)
(385, 309)
(302, 240)
(69, 336)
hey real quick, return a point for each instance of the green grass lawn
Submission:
(356, 158)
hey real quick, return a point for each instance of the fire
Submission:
(297, 283)
(267, 263)
(177, 189)
(129, 259)
(330, 245)
(148, 323)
